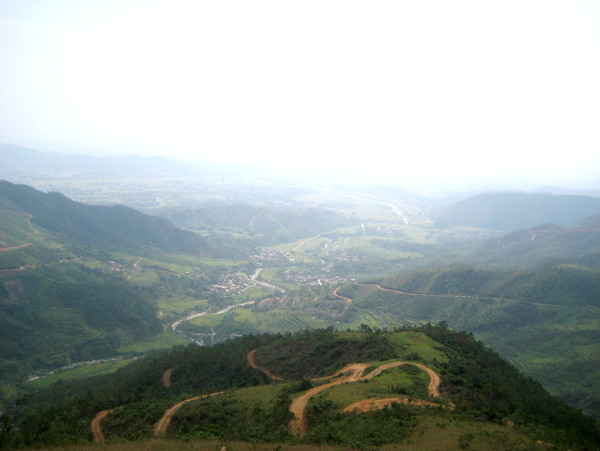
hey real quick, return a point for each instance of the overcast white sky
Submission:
(417, 89)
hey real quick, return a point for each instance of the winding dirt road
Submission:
(367, 405)
(352, 373)
(254, 365)
(95, 424)
(163, 424)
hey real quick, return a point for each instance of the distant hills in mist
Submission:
(509, 211)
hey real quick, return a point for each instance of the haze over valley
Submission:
(325, 224)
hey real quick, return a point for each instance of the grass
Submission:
(189, 445)
(164, 340)
(92, 369)
(413, 380)
(261, 395)
(415, 342)
(181, 304)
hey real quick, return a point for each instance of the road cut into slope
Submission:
(352, 373)
(163, 424)
(367, 405)
(166, 377)
(254, 365)
(96, 426)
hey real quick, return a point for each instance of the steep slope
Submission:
(514, 210)
(544, 321)
(538, 244)
(482, 400)
(56, 315)
(115, 227)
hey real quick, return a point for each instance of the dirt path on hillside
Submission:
(463, 296)
(12, 248)
(367, 405)
(95, 424)
(354, 373)
(344, 298)
(299, 426)
(163, 424)
(434, 379)
(166, 377)
(27, 217)
(254, 365)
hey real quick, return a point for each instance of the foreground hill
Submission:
(513, 210)
(442, 390)
(545, 321)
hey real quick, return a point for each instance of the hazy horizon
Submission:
(429, 93)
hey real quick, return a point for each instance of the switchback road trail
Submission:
(254, 365)
(344, 298)
(27, 217)
(163, 424)
(95, 424)
(299, 426)
(12, 248)
(353, 373)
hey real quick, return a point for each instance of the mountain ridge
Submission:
(512, 210)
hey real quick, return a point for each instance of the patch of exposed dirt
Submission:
(166, 377)
(254, 365)
(163, 424)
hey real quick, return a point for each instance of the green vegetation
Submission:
(546, 321)
(488, 394)
(110, 281)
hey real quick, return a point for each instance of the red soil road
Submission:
(166, 377)
(298, 426)
(254, 365)
(379, 403)
(95, 424)
(163, 424)
(434, 379)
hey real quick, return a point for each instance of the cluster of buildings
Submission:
(264, 254)
(232, 284)
(302, 278)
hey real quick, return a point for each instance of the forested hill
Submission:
(511, 211)
(579, 243)
(265, 225)
(480, 401)
(545, 320)
(113, 228)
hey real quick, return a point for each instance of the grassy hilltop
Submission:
(480, 401)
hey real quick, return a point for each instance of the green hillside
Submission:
(483, 402)
(537, 245)
(115, 228)
(547, 322)
(510, 211)
(265, 225)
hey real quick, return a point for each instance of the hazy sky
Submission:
(418, 89)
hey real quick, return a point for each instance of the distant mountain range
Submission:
(509, 211)
(16, 161)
